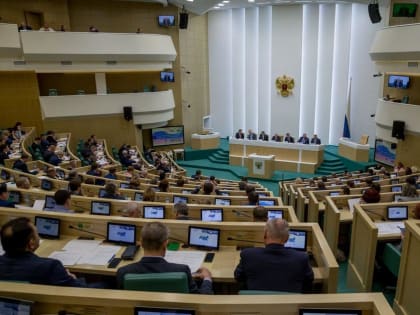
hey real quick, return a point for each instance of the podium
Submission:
(353, 151)
(205, 141)
(260, 166)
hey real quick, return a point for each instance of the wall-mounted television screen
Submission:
(384, 153)
(168, 136)
(404, 10)
(398, 81)
(166, 20)
(167, 76)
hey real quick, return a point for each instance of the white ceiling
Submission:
(200, 7)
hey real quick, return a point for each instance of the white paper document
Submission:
(82, 246)
(389, 227)
(66, 258)
(100, 256)
(38, 205)
(194, 260)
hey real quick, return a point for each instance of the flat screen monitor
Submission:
(100, 208)
(49, 202)
(222, 202)
(15, 307)
(48, 227)
(297, 239)
(404, 10)
(397, 213)
(166, 20)
(212, 215)
(46, 184)
(138, 196)
(180, 199)
(186, 192)
(167, 136)
(267, 202)
(224, 193)
(399, 81)
(167, 76)
(14, 196)
(334, 193)
(396, 188)
(162, 311)
(395, 181)
(121, 233)
(124, 185)
(385, 152)
(357, 182)
(375, 178)
(262, 195)
(329, 311)
(275, 214)
(5, 175)
(203, 237)
(154, 212)
(60, 173)
(102, 192)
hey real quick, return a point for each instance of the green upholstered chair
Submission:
(175, 282)
(391, 258)
(263, 292)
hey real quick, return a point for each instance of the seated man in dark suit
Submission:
(181, 211)
(315, 140)
(276, 138)
(263, 136)
(289, 138)
(240, 134)
(20, 164)
(62, 199)
(111, 192)
(20, 239)
(251, 135)
(275, 267)
(4, 197)
(154, 239)
(304, 139)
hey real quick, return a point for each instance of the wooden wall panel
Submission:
(408, 151)
(19, 99)
(413, 91)
(129, 82)
(66, 83)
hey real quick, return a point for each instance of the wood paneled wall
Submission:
(408, 151)
(19, 99)
(66, 83)
(413, 91)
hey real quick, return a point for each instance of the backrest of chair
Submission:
(175, 282)
(364, 139)
(391, 259)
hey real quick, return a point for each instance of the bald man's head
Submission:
(276, 231)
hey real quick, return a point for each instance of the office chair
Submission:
(175, 282)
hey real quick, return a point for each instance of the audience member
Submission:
(251, 135)
(4, 153)
(154, 240)
(371, 195)
(94, 170)
(20, 164)
(46, 28)
(111, 192)
(289, 138)
(111, 173)
(253, 198)
(52, 173)
(410, 188)
(276, 138)
(133, 210)
(263, 136)
(346, 190)
(164, 185)
(321, 185)
(315, 139)
(4, 197)
(62, 201)
(93, 29)
(19, 238)
(23, 182)
(181, 211)
(24, 27)
(260, 214)
(149, 194)
(197, 175)
(275, 267)
(239, 134)
(75, 187)
(242, 185)
(304, 139)
(134, 183)
(180, 182)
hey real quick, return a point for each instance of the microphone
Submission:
(379, 74)
(86, 231)
(184, 244)
(241, 213)
(243, 240)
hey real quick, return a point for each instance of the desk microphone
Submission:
(243, 240)
(86, 231)
(241, 213)
(184, 244)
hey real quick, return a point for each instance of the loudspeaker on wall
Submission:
(398, 129)
(183, 20)
(375, 16)
(128, 113)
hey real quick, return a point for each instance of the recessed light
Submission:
(216, 7)
(251, 1)
(190, 0)
(221, 4)
(226, 1)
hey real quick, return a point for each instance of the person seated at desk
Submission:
(163, 185)
(315, 139)
(197, 175)
(23, 182)
(304, 139)
(409, 189)
(263, 136)
(207, 189)
(19, 238)
(4, 197)
(253, 198)
(371, 195)
(62, 202)
(260, 214)
(154, 240)
(251, 135)
(111, 192)
(276, 138)
(52, 173)
(94, 170)
(275, 267)
(149, 194)
(289, 138)
(51, 157)
(111, 173)
(20, 164)
(181, 211)
(75, 187)
(239, 134)
(4, 153)
(133, 210)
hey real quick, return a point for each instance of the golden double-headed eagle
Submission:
(285, 85)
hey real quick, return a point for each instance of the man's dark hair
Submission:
(15, 236)
(162, 175)
(61, 197)
(181, 208)
(411, 180)
(249, 188)
(111, 189)
(112, 170)
(242, 185)
(207, 188)
(260, 214)
(253, 198)
(324, 179)
(3, 188)
(180, 182)
(74, 185)
(212, 177)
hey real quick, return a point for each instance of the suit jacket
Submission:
(274, 268)
(276, 138)
(239, 135)
(29, 267)
(158, 265)
(252, 136)
(263, 137)
(289, 139)
(20, 165)
(316, 141)
(303, 140)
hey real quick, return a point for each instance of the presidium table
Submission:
(294, 157)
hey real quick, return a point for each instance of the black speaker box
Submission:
(128, 113)
(183, 20)
(398, 129)
(375, 16)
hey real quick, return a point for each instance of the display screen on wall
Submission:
(404, 10)
(167, 76)
(384, 153)
(168, 135)
(166, 20)
(399, 81)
